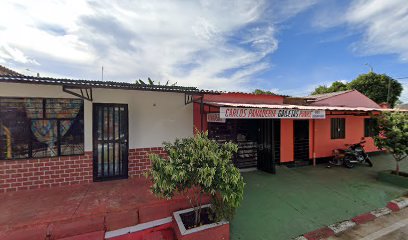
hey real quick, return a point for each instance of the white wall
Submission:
(154, 117)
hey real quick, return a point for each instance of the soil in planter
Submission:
(402, 174)
(188, 218)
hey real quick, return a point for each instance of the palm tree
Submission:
(151, 82)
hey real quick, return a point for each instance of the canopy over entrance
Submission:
(228, 110)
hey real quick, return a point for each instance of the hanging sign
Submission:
(259, 113)
(215, 117)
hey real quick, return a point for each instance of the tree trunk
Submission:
(197, 208)
(197, 216)
(397, 169)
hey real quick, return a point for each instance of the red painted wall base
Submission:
(162, 232)
(221, 232)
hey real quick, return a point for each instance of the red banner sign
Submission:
(259, 113)
(215, 117)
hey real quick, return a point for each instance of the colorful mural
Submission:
(39, 127)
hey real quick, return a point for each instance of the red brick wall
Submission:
(25, 174)
(139, 160)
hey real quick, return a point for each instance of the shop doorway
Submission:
(301, 140)
(110, 141)
(244, 133)
(268, 144)
(258, 141)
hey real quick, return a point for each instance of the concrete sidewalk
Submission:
(389, 227)
(300, 200)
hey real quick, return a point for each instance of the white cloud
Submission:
(404, 94)
(8, 53)
(24, 26)
(383, 25)
(208, 43)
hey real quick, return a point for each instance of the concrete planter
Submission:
(213, 231)
(399, 180)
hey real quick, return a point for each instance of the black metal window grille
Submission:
(370, 127)
(338, 128)
(41, 127)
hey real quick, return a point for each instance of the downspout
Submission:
(313, 142)
(202, 114)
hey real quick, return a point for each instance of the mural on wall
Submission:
(39, 127)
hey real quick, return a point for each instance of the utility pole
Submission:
(389, 91)
(102, 73)
(371, 68)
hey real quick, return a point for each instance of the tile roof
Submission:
(110, 84)
(7, 71)
(319, 97)
(98, 84)
(8, 75)
(402, 106)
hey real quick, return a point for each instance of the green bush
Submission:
(198, 166)
(393, 129)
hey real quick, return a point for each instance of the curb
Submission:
(398, 204)
(343, 226)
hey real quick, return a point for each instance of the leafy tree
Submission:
(195, 167)
(393, 127)
(260, 92)
(375, 86)
(335, 87)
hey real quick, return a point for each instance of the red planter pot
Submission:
(214, 231)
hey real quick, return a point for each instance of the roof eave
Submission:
(97, 84)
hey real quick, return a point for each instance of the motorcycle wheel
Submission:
(334, 162)
(347, 162)
(368, 161)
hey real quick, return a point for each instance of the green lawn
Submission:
(299, 200)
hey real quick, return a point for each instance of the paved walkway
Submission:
(389, 227)
(300, 200)
(68, 211)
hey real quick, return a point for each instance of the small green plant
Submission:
(198, 166)
(393, 129)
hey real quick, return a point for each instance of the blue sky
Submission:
(308, 56)
(288, 47)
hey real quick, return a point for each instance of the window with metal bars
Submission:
(338, 128)
(41, 127)
(370, 127)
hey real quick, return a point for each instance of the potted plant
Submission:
(393, 137)
(199, 167)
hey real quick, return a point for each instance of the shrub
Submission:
(198, 166)
(393, 128)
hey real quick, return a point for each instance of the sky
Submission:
(287, 46)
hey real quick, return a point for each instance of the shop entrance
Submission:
(268, 144)
(258, 141)
(301, 140)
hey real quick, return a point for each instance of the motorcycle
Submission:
(351, 156)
